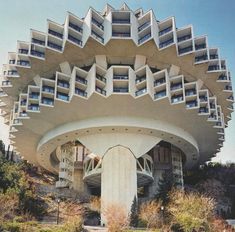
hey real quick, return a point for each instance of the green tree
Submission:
(134, 213)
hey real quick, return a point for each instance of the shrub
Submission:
(191, 211)
(116, 217)
(150, 213)
(95, 204)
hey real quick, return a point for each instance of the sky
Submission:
(214, 18)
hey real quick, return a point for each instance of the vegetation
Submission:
(134, 218)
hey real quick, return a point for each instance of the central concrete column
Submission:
(118, 179)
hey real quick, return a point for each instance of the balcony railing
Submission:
(213, 67)
(16, 121)
(121, 21)
(99, 77)
(160, 94)
(191, 104)
(34, 95)
(200, 46)
(212, 116)
(12, 73)
(222, 77)
(75, 27)
(144, 38)
(23, 114)
(203, 98)
(23, 51)
(143, 26)
(37, 41)
(63, 84)
(231, 97)
(176, 86)
(55, 46)
(97, 36)
(228, 87)
(12, 61)
(190, 92)
(33, 107)
(140, 92)
(166, 43)
(120, 90)
(62, 96)
(55, 33)
(159, 81)
(75, 40)
(47, 101)
(101, 91)
(80, 92)
(6, 83)
(81, 80)
(203, 110)
(164, 31)
(183, 38)
(120, 77)
(97, 24)
(201, 58)
(23, 102)
(214, 57)
(187, 49)
(140, 79)
(48, 89)
(178, 98)
(121, 34)
(23, 62)
(37, 53)
(223, 67)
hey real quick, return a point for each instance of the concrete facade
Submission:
(112, 99)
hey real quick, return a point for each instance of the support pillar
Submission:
(118, 179)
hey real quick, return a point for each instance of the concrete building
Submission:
(112, 100)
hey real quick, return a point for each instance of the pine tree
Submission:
(165, 185)
(134, 213)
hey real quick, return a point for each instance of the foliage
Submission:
(165, 185)
(134, 213)
(116, 217)
(219, 225)
(95, 204)
(191, 211)
(150, 212)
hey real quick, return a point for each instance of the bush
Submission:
(74, 224)
(116, 217)
(191, 211)
(150, 212)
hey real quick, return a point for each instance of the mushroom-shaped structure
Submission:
(113, 100)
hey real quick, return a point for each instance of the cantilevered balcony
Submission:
(228, 87)
(97, 36)
(12, 73)
(214, 57)
(140, 79)
(75, 27)
(48, 89)
(33, 107)
(37, 53)
(98, 24)
(160, 81)
(23, 102)
(120, 21)
(120, 90)
(160, 94)
(99, 77)
(12, 61)
(201, 58)
(25, 63)
(200, 46)
(54, 46)
(47, 101)
(143, 26)
(55, 33)
(176, 86)
(213, 67)
(39, 42)
(183, 38)
(191, 104)
(177, 98)
(185, 50)
(81, 80)
(63, 84)
(75, 40)
(80, 92)
(166, 43)
(6, 83)
(34, 95)
(120, 77)
(144, 38)
(203, 98)
(203, 110)
(164, 31)
(62, 96)
(23, 51)
(190, 92)
(140, 92)
(101, 91)
(121, 34)
(212, 116)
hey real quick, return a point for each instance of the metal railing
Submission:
(62, 96)
(55, 46)
(176, 86)
(201, 58)
(37, 41)
(190, 92)
(121, 21)
(160, 94)
(140, 79)
(81, 80)
(203, 110)
(187, 49)
(80, 92)
(37, 53)
(48, 89)
(120, 77)
(120, 90)
(214, 57)
(159, 81)
(55, 33)
(23, 51)
(97, 36)
(98, 24)
(101, 91)
(121, 34)
(75, 27)
(190, 104)
(47, 101)
(75, 40)
(99, 77)
(183, 38)
(177, 98)
(144, 38)
(63, 84)
(200, 46)
(33, 107)
(140, 92)
(166, 43)
(164, 31)
(213, 67)
(23, 62)
(143, 26)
